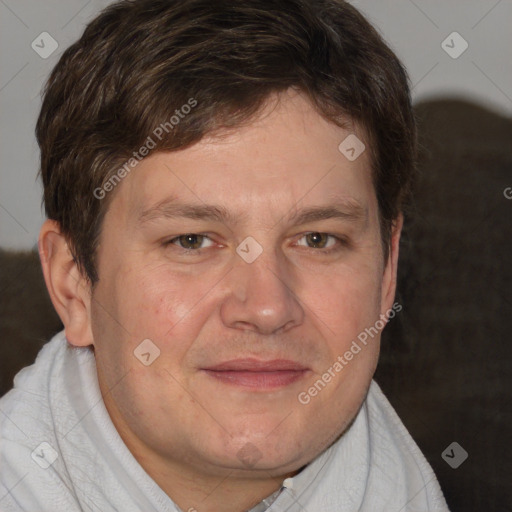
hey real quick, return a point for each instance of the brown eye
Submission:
(322, 243)
(317, 240)
(190, 241)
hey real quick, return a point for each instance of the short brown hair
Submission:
(140, 60)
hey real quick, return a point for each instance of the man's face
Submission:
(240, 335)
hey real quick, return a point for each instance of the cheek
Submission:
(344, 301)
(158, 303)
(147, 302)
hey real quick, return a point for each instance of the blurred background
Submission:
(447, 358)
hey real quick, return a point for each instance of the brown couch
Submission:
(447, 357)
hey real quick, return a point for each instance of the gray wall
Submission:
(415, 30)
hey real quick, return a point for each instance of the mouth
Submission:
(258, 375)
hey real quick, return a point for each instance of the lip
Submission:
(255, 365)
(255, 374)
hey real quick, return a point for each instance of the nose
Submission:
(261, 297)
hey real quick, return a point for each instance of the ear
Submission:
(69, 291)
(391, 266)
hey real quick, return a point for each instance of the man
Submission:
(224, 185)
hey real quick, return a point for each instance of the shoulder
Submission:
(25, 408)
(32, 477)
(392, 434)
(397, 456)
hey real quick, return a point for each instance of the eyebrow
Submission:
(170, 208)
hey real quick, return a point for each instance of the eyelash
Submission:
(341, 243)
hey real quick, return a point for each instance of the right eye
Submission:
(190, 242)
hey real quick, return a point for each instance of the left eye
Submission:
(317, 240)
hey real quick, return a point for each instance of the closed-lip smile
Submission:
(256, 374)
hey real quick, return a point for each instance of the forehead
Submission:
(286, 156)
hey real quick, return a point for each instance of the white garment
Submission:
(375, 466)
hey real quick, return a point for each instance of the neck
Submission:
(195, 489)
(200, 493)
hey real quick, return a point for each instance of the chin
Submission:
(256, 451)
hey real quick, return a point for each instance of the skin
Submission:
(295, 301)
